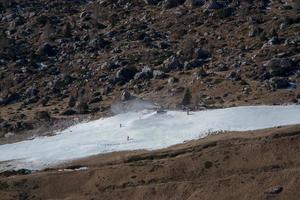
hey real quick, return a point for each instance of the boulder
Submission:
(187, 97)
(202, 54)
(280, 66)
(125, 74)
(43, 116)
(44, 101)
(46, 50)
(296, 5)
(195, 3)
(200, 74)
(279, 83)
(152, 2)
(254, 31)
(22, 126)
(110, 65)
(275, 41)
(234, 76)
(72, 102)
(193, 64)
(31, 100)
(274, 190)
(158, 74)
(172, 80)
(126, 96)
(32, 91)
(222, 67)
(69, 112)
(10, 99)
(98, 44)
(167, 4)
(5, 126)
(145, 74)
(95, 100)
(214, 5)
(16, 172)
(224, 12)
(173, 63)
(82, 107)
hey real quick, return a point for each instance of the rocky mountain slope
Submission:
(61, 59)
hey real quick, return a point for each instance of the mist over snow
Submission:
(134, 105)
(146, 130)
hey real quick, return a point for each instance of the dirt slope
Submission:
(254, 165)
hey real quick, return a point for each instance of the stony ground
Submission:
(255, 165)
(63, 60)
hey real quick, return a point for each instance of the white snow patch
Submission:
(146, 130)
(72, 170)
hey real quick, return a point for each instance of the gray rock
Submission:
(167, 4)
(125, 74)
(202, 54)
(187, 97)
(195, 3)
(280, 66)
(172, 80)
(110, 65)
(45, 100)
(152, 2)
(46, 50)
(31, 91)
(95, 100)
(254, 31)
(225, 12)
(72, 101)
(234, 76)
(296, 5)
(68, 112)
(22, 126)
(222, 67)
(193, 64)
(31, 100)
(126, 96)
(145, 74)
(43, 115)
(274, 190)
(10, 99)
(173, 63)
(106, 90)
(275, 40)
(98, 43)
(279, 83)
(200, 74)
(82, 107)
(214, 5)
(158, 74)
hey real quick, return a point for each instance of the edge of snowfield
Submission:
(145, 129)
